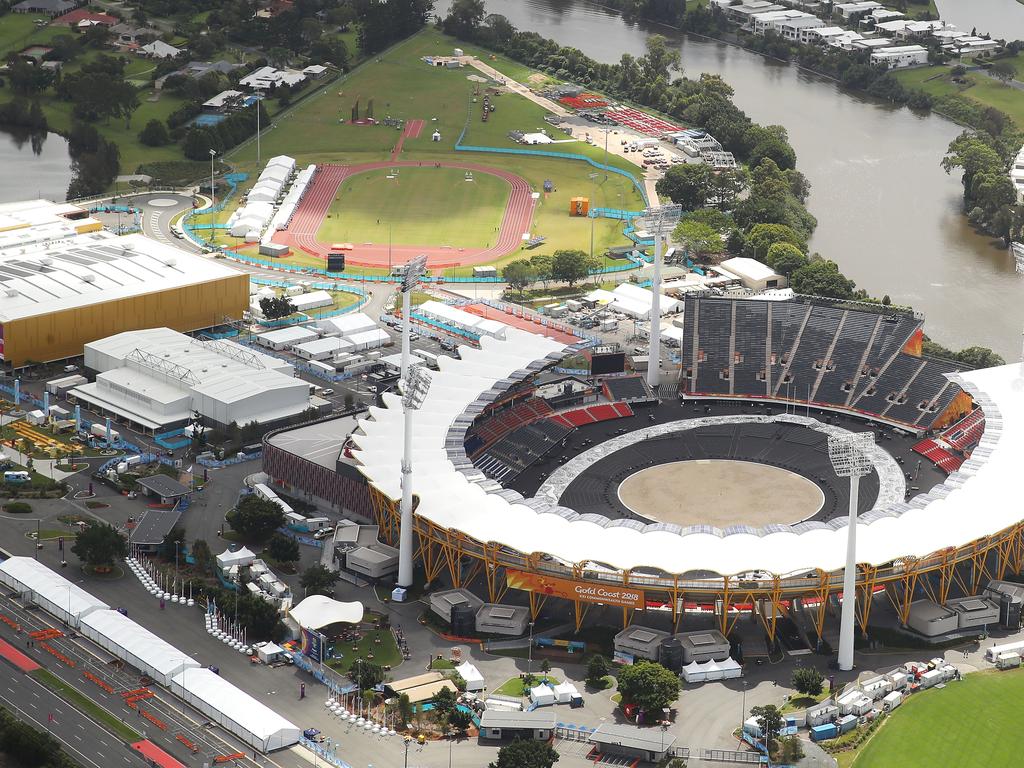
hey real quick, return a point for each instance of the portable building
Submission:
(306, 302)
(374, 561)
(1007, 660)
(122, 637)
(368, 339)
(640, 641)
(37, 417)
(822, 713)
(993, 652)
(498, 619)
(931, 619)
(703, 645)
(507, 723)
(268, 653)
(824, 731)
(931, 677)
(892, 700)
(322, 349)
(236, 711)
(283, 338)
(898, 680)
(345, 325)
(62, 386)
(846, 723)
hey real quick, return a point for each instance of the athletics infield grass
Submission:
(968, 724)
(417, 206)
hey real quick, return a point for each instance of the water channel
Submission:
(887, 212)
(33, 166)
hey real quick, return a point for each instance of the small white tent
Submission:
(565, 692)
(542, 695)
(474, 680)
(243, 557)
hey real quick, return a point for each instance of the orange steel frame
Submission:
(965, 568)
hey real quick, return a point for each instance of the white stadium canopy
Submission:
(976, 501)
(51, 591)
(318, 611)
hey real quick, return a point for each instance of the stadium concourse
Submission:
(495, 422)
(305, 224)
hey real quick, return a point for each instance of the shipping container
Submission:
(824, 731)
(846, 723)
(1007, 660)
(892, 700)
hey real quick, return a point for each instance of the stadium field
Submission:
(420, 206)
(968, 723)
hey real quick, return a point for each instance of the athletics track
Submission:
(309, 215)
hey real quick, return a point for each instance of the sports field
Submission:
(417, 206)
(968, 724)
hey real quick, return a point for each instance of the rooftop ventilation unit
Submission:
(46, 261)
(88, 277)
(170, 261)
(11, 292)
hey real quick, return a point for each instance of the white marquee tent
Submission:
(318, 611)
(135, 644)
(50, 591)
(235, 710)
(697, 672)
(241, 557)
(542, 695)
(474, 680)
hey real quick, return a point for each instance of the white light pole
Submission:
(415, 386)
(658, 221)
(213, 194)
(259, 101)
(414, 272)
(850, 455)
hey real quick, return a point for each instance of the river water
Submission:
(887, 213)
(1003, 19)
(33, 166)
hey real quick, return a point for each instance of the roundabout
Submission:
(720, 493)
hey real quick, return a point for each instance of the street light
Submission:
(411, 278)
(850, 457)
(213, 194)
(529, 653)
(259, 99)
(408, 740)
(659, 221)
(415, 386)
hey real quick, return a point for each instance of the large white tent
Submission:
(238, 712)
(240, 557)
(318, 611)
(135, 644)
(702, 672)
(49, 590)
(474, 680)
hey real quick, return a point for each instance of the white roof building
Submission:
(900, 56)
(157, 377)
(267, 78)
(343, 325)
(753, 274)
(48, 589)
(158, 49)
(222, 99)
(135, 644)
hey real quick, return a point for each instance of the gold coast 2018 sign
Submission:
(569, 589)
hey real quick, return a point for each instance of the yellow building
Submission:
(64, 282)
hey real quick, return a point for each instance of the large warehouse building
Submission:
(66, 282)
(158, 378)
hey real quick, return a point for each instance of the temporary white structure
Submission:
(368, 339)
(701, 672)
(542, 695)
(48, 589)
(235, 710)
(474, 680)
(135, 644)
(269, 652)
(318, 611)
(461, 319)
(242, 557)
(344, 325)
(565, 692)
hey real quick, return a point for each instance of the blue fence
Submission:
(238, 459)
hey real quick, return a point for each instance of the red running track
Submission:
(309, 215)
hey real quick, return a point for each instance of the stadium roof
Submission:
(92, 268)
(974, 502)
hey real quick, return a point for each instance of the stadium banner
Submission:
(312, 647)
(569, 589)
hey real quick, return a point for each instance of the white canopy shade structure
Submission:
(49, 590)
(542, 695)
(701, 672)
(235, 710)
(243, 557)
(135, 644)
(565, 692)
(474, 680)
(318, 611)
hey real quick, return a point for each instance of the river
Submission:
(33, 166)
(887, 213)
(1000, 18)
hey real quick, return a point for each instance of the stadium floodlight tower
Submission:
(850, 455)
(659, 221)
(412, 277)
(415, 386)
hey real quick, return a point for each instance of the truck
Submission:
(16, 476)
(100, 430)
(1008, 660)
(892, 700)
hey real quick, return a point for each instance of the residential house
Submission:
(970, 45)
(315, 71)
(268, 78)
(128, 35)
(223, 101)
(823, 35)
(158, 49)
(850, 11)
(83, 18)
(48, 8)
(901, 56)
(871, 43)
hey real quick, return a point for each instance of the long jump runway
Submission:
(302, 231)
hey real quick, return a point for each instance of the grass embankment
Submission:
(80, 701)
(385, 652)
(975, 88)
(964, 724)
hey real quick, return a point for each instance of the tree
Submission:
(772, 142)
(526, 754)
(1003, 71)
(256, 518)
(317, 580)
(648, 685)
(155, 134)
(979, 357)
(769, 719)
(99, 545)
(822, 278)
(570, 266)
(276, 307)
(444, 701)
(460, 720)
(464, 18)
(282, 548)
(545, 666)
(366, 674)
(697, 238)
(174, 543)
(785, 258)
(404, 708)
(791, 750)
(541, 265)
(808, 680)
(763, 236)
(518, 274)
(597, 669)
(688, 185)
(202, 555)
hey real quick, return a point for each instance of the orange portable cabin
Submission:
(579, 206)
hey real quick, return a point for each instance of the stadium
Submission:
(569, 486)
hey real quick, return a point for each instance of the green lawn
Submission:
(418, 206)
(514, 685)
(969, 723)
(385, 652)
(16, 32)
(979, 88)
(80, 701)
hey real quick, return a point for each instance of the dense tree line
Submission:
(95, 161)
(226, 134)
(990, 200)
(23, 745)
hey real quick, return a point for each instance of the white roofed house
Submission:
(901, 56)
(268, 78)
(158, 49)
(753, 274)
